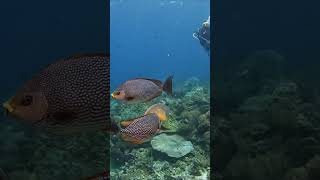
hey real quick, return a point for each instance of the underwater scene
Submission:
(160, 89)
(266, 91)
(35, 36)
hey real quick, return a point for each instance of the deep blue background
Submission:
(154, 39)
(291, 27)
(36, 33)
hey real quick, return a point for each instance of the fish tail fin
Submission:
(167, 86)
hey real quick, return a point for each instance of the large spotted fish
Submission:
(71, 95)
(142, 129)
(142, 90)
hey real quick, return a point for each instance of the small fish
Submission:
(71, 95)
(142, 90)
(142, 129)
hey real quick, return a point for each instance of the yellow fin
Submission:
(160, 110)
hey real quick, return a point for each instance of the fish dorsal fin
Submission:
(157, 82)
(127, 122)
(80, 55)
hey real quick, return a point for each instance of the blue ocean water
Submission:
(35, 34)
(154, 39)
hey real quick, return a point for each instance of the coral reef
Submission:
(30, 155)
(189, 118)
(268, 126)
(172, 145)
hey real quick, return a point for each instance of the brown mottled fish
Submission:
(71, 95)
(142, 129)
(142, 90)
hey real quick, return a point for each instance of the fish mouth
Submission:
(113, 96)
(8, 108)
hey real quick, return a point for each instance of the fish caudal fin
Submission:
(167, 86)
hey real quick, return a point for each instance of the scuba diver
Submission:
(203, 35)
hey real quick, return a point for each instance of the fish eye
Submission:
(27, 100)
(117, 93)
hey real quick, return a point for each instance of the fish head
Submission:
(119, 95)
(27, 106)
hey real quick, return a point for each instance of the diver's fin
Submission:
(167, 85)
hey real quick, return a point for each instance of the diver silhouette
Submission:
(203, 35)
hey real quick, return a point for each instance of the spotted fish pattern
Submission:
(141, 129)
(76, 92)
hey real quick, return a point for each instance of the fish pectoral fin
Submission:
(64, 117)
